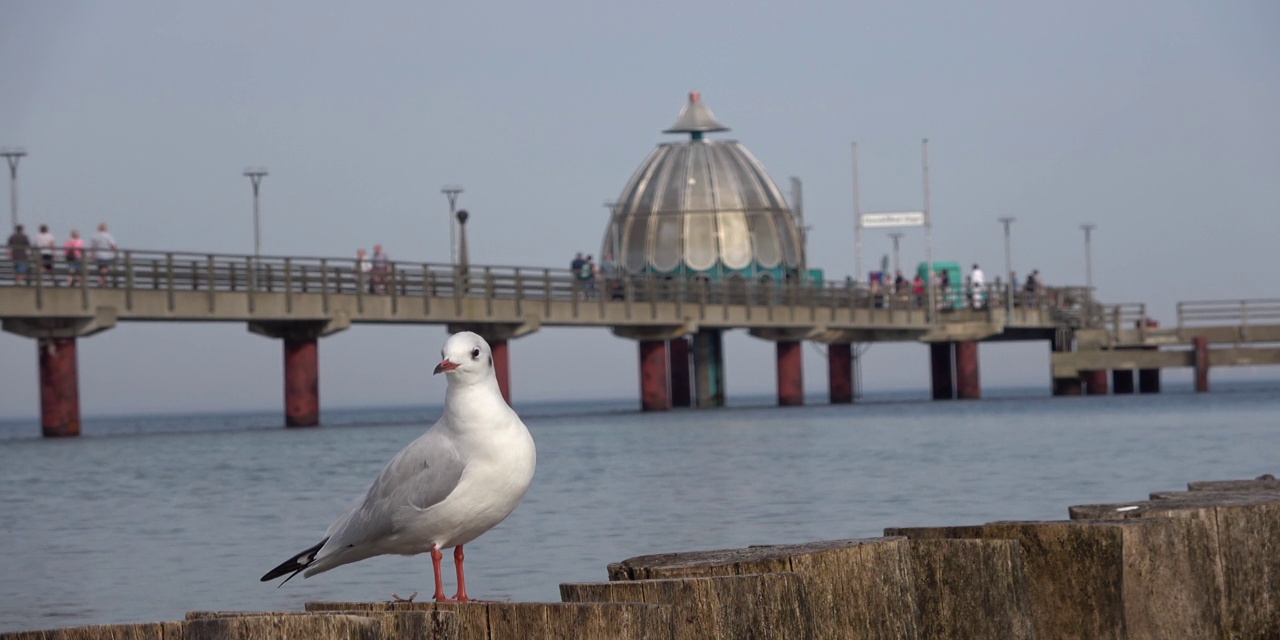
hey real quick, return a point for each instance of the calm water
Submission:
(144, 519)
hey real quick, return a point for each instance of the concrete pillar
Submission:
(679, 353)
(1095, 382)
(708, 367)
(1122, 381)
(968, 383)
(790, 373)
(1200, 345)
(501, 366)
(1065, 386)
(840, 372)
(59, 388)
(301, 382)
(1148, 381)
(942, 369)
(654, 395)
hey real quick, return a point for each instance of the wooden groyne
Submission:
(1201, 563)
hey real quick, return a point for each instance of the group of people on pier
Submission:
(34, 261)
(974, 292)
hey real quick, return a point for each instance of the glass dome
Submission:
(702, 207)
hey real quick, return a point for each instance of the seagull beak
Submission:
(445, 365)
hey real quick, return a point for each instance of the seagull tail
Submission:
(293, 566)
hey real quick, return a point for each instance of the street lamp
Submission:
(896, 235)
(1008, 263)
(463, 261)
(451, 191)
(13, 155)
(1088, 228)
(255, 175)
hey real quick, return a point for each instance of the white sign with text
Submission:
(899, 219)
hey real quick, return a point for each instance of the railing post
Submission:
(128, 278)
(519, 293)
(488, 292)
(168, 270)
(546, 291)
(210, 282)
(324, 284)
(252, 284)
(427, 286)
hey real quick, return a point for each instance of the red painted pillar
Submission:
(1200, 345)
(59, 388)
(968, 383)
(502, 367)
(1095, 382)
(840, 373)
(680, 379)
(654, 395)
(790, 374)
(301, 383)
(942, 368)
(1122, 381)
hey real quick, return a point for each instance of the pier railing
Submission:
(183, 271)
(1238, 312)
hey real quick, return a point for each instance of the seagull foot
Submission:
(396, 598)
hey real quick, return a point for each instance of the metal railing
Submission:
(1236, 312)
(182, 271)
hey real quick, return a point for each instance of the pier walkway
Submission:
(677, 321)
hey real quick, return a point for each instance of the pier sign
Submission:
(899, 219)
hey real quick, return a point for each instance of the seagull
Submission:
(455, 482)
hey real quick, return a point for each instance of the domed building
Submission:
(703, 207)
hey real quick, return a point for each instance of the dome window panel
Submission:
(764, 239)
(788, 236)
(674, 182)
(635, 243)
(735, 240)
(726, 187)
(668, 246)
(698, 196)
(700, 241)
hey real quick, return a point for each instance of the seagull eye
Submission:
(475, 353)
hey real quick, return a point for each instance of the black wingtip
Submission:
(293, 566)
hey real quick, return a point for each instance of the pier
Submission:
(677, 323)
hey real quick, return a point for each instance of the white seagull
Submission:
(456, 481)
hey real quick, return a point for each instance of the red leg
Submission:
(436, 556)
(462, 580)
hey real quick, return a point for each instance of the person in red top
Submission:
(74, 253)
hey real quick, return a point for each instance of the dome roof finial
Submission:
(696, 119)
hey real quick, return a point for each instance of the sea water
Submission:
(145, 518)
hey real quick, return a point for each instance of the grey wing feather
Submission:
(421, 475)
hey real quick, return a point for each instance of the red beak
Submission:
(445, 365)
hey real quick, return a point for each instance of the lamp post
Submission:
(1008, 263)
(255, 175)
(896, 235)
(451, 192)
(13, 155)
(463, 262)
(1088, 228)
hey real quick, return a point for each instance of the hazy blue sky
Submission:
(1159, 121)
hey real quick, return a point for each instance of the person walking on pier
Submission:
(977, 281)
(20, 254)
(46, 243)
(74, 254)
(381, 268)
(104, 252)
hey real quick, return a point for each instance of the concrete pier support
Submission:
(301, 382)
(708, 367)
(942, 367)
(501, 366)
(654, 395)
(301, 364)
(840, 372)
(1200, 346)
(59, 388)
(1122, 381)
(678, 352)
(1063, 343)
(1148, 381)
(790, 373)
(968, 382)
(59, 368)
(1095, 382)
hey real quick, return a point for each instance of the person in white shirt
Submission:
(977, 281)
(104, 252)
(46, 243)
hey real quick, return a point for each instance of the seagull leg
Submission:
(436, 556)
(462, 580)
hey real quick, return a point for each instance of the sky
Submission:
(1156, 121)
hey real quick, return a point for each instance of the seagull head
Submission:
(465, 356)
